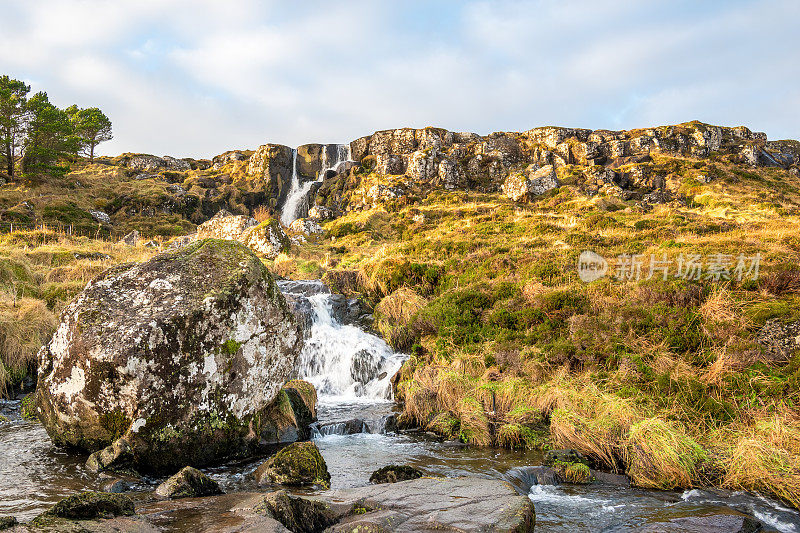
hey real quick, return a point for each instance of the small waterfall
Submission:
(296, 201)
(343, 362)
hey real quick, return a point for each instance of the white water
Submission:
(299, 191)
(335, 354)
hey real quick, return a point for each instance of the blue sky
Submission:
(198, 77)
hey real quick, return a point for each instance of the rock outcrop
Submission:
(266, 238)
(180, 356)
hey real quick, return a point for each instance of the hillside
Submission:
(467, 248)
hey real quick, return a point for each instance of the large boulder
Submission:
(266, 238)
(181, 356)
(521, 187)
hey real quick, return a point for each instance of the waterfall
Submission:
(298, 193)
(343, 362)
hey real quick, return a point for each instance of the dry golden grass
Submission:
(25, 325)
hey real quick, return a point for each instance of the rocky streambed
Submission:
(464, 488)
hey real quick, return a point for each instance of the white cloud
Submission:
(197, 77)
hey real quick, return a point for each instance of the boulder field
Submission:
(177, 361)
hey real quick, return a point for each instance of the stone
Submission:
(552, 457)
(320, 212)
(181, 355)
(88, 505)
(188, 483)
(432, 504)
(266, 238)
(177, 165)
(723, 522)
(780, 340)
(522, 188)
(131, 239)
(291, 415)
(305, 226)
(7, 522)
(395, 473)
(118, 454)
(145, 162)
(364, 366)
(297, 464)
(100, 216)
(299, 515)
(352, 426)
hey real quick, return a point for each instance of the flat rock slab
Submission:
(434, 504)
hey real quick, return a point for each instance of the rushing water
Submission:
(34, 474)
(295, 203)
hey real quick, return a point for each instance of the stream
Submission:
(351, 370)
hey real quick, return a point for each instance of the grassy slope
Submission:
(661, 379)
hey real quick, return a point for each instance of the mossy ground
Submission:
(660, 378)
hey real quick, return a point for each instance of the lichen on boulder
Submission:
(181, 355)
(299, 463)
(266, 238)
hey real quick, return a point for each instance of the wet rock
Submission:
(118, 455)
(430, 504)
(181, 355)
(131, 239)
(365, 366)
(296, 464)
(28, 408)
(342, 427)
(88, 505)
(779, 339)
(386, 424)
(299, 515)
(118, 486)
(394, 473)
(731, 522)
(7, 522)
(291, 414)
(188, 483)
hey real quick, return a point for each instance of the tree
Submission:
(13, 110)
(48, 136)
(91, 127)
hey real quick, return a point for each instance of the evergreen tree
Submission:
(91, 127)
(13, 111)
(49, 136)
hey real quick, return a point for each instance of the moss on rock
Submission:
(300, 463)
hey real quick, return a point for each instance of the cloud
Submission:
(197, 77)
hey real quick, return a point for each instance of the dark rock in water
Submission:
(299, 463)
(188, 483)
(725, 522)
(181, 355)
(7, 522)
(88, 505)
(365, 366)
(619, 480)
(343, 427)
(350, 311)
(299, 515)
(394, 473)
(564, 456)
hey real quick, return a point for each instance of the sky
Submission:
(194, 78)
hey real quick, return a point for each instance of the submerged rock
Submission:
(181, 355)
(395, 473)
(724, 522)
(297, 464)
(188, 483)
(299, 515)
